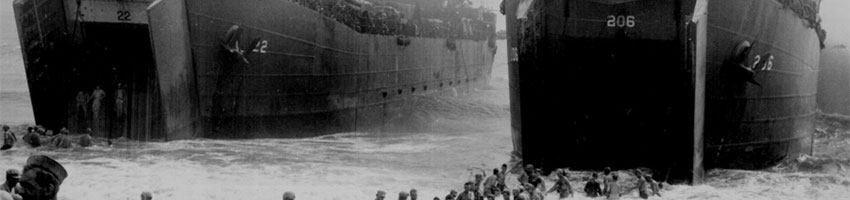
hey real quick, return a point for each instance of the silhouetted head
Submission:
(606, 171)
(468, 186)
(12, 176)
(495, 171)
(615, 177)
(5, 128)
(381, 195)
(402, 195)
(146, 196)
(413, 194)
(288, 196)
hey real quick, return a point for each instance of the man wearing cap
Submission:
(288, 196)
(41, 178)
(380, 196)
(11, 185)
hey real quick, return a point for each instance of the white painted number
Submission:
(767, 66)
(756, 63)
(621, 21)
(261, 46)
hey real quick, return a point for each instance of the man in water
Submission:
(606, 178)
(479, 178)
(533, 192)
(518, 194)
(562, 185)
(41, 178)
(61, 140)
(11, 185)
(502, 177)
(469, 192)
(536, 180)
(413, 194)
(85, 140)
(592, 187)
(288, 196)
(614, 188)
(96, 102)
(32, 138)
(381, 195)
(490, 189)
(526, 174)
(452, 195)
(9, 138)
(653, 186)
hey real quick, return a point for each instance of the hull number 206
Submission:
(621, 21)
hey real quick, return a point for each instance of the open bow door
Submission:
(169, 29)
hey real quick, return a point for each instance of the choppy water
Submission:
(455, 137)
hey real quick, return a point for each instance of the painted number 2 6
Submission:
(621, 21)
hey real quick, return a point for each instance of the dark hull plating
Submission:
(306, 75)
(657, 89)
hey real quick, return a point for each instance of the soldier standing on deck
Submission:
(82, 109)
(120, 108)
(96, 103)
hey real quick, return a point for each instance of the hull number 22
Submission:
(621, 21)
